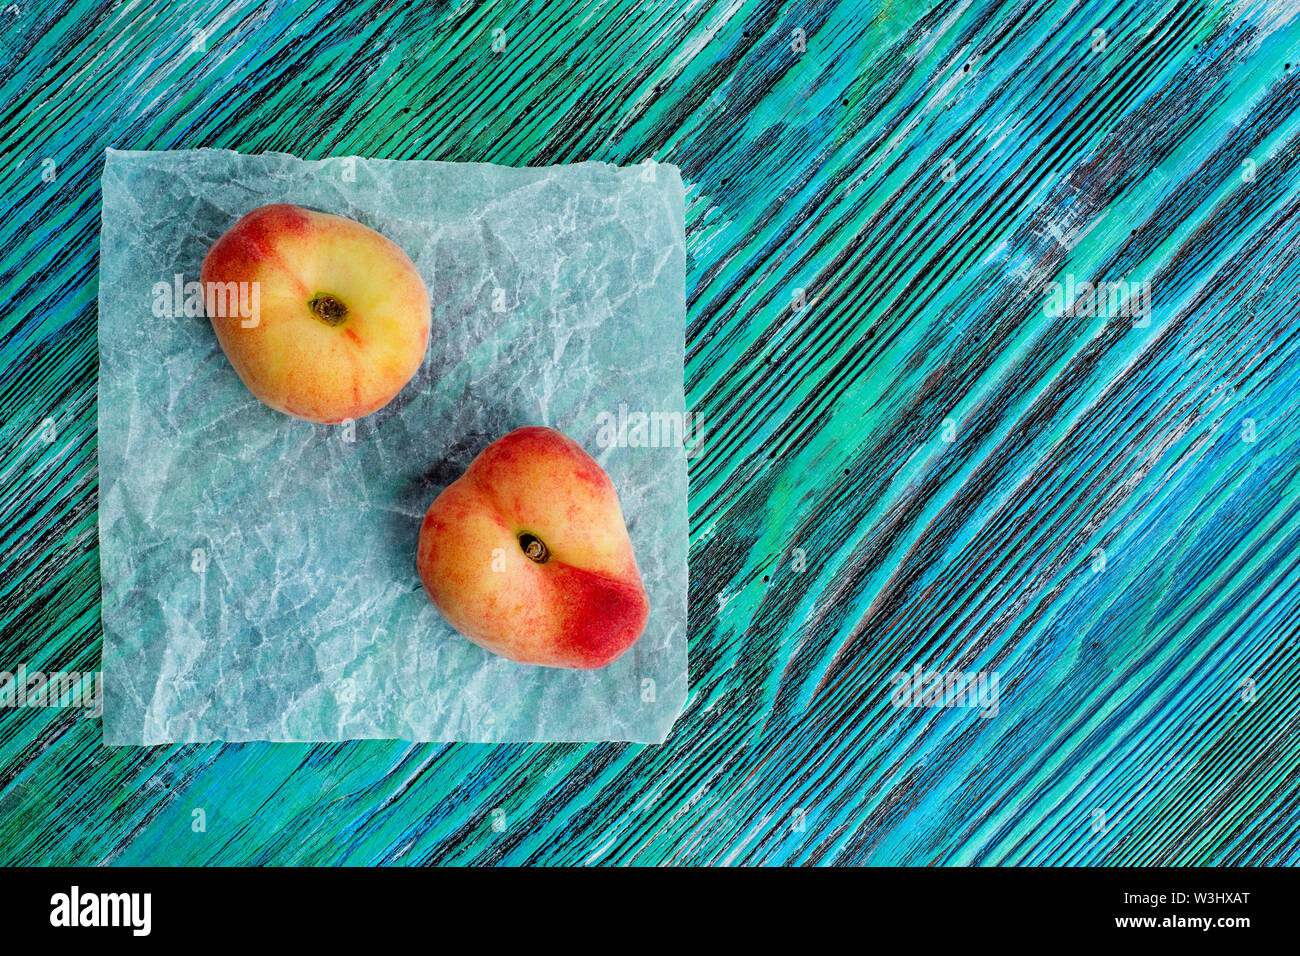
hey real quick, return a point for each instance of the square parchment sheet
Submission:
(259, 572)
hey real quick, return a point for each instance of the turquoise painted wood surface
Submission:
(911, 458)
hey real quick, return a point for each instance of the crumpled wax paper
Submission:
(259, 574)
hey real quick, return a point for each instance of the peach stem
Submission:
(534, 547)
(328, 309)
